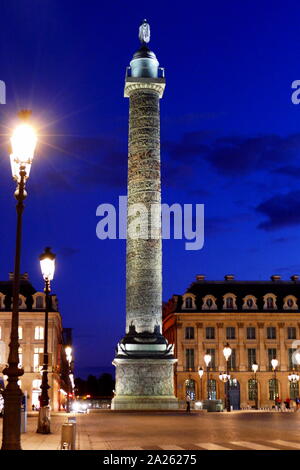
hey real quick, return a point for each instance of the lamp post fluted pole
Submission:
(47, 262)
(23, 143)
(227, 353)
(274, 363)
(255, 368)
(207, 360)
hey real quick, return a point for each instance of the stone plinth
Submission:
(144, 384)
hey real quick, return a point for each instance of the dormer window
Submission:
(22, 302)
(2, 298)
(269, 302)
(290, 303)
(249, 303)
(209, 303)
(188, 301)
(229, 301)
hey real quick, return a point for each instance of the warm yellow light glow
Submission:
(23, 143)
(68, 351)
(227, 352)
(207, 359)
(47, 262)
(200, 372)
(254, 368)
(274, 363)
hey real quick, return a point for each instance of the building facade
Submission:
(31, 340)
(259, 319)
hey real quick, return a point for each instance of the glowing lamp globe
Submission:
(23, 143)
(47, 262)
(227, 352)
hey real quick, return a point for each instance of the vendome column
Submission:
(144, 360)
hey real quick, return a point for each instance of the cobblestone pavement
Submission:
(108, 430)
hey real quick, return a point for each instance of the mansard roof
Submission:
(239, 288)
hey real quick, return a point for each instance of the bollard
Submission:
(68, 436)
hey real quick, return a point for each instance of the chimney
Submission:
(275, 277)
(200, 277)
(23, 277)
(295, 277)
(229, 277)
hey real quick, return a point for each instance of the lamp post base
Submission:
(44, 420)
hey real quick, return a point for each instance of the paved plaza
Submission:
(107, 430)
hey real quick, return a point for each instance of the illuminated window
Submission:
(39, 332)
(36, 358)
(251, 389)
(189, 359)
(251, 357)
(212, 389)
(39, 302)
(273, 389)
(20, 358)
(20, 332)
(190, 389)
(294, 390)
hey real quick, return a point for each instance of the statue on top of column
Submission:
(144, 32)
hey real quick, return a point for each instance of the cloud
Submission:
(235, 155)
(281, 210)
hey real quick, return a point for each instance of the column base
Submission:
(144, 384)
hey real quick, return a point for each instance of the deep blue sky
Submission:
(229, 132)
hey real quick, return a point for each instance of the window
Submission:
(249, 303)
(273, 389)
(251, 332)
(291, 332)
(230, 332)
(290, 303)
(209, 303)
(210, 332)
(39, 332)
(270, 302)
(251, 357)
(294, 390)
(20, 332)
(292, 364)
(229, 302)
(212, 353)
(20, 358)
(36, 358)
(190, 391)
(189, 332)
(189, 359)
(212, 389)
(271, 332)
(251, 389)
(271, 355)
(39, 301)
(232, 360)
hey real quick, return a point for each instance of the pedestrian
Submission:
(188, 404)
(287, 403)
(297, 403)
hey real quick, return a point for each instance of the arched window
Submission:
(294, 390)
(290, 303)
(229, 302)
(209, 303)
(273, 389)
(188, 302)
(249, 302)
(251, 389)
(39, 332)
(270, 302)
(190, 389)
(212, 389)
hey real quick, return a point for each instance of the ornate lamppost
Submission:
(207, 360)
(47, 262)
(274, 363)
(227, 353)
(68, 351)
(23, 143)
(255, 369)
(201, 372)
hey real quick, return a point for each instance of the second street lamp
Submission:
(255, 368)
(227, 353)
(23, 142)
(201, 372)
(47, 262)
(207, 360)
(274, 363)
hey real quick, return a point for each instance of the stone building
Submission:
(31, 339)
(259, 319)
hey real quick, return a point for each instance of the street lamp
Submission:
(274, 363)
(207, 360)
(227, 353)
(23, 143)
(255, 369)
(293, 377)
(201, 372)
(47, 262)
(68, 351)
